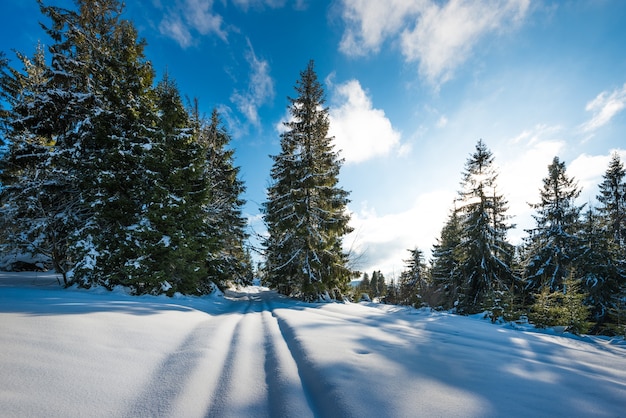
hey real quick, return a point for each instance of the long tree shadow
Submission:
(434, 361)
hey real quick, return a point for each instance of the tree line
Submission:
(113, 179)
(116, 181)
(570, 269)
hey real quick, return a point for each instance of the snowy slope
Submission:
(255, 354)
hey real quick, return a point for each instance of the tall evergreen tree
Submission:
(171, 236)
(553, 245)
(39, 199)
(98, 63)
(485, 254)
(597, 267)
(377, 284)
(365, 285)
(305, 212)
(612, 198)
(413, 280)
(445, 272)
(602, 266)
(227, 259)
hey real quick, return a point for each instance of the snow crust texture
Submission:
(253, 353)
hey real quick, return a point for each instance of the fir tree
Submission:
(601, 265)
(377, 284)
(98, 64)
(171, 233)
(445, 272)
(552, 246)
(39, 199)
(413, 280)
(365, 285)
(561, 308)
(391, 294)
(305, 212)
(485, 255)
(612, 200)
(227, 258)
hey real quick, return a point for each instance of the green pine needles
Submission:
(305, 213)
(111, 177)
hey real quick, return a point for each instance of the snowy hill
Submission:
(255, 354)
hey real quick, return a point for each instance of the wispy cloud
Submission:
(439, 36)
(260, 88)
(444, 36)
(190, 18)
(370, 23)
(604, 107)
(361, 131)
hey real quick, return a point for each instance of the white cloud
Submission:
(444, 36)
(188, 17)
(361, 132)
(523, 164)
(588, 170)
(369, 23)
(173, 27)
(440, 36)
(604, 107)
(536, 134)
(381, 241)
(260, 88)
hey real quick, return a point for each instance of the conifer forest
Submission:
(112, 177)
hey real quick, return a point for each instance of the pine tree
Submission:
(612, 200)
(365, 285)
(391, 294)
(374, 283)
(377, 286)
(485, 254)
(616, 315)
(445, 272)
(98, 62)
(170, 235)
(39, 198)
(305, 212)
(564, 307)
(553, 245)
(602, 266)
(227, 258)
(413, 280)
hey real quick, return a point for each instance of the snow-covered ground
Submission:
(252, 353)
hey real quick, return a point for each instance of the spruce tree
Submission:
(227, 258)
(602, 266)
(374, 283)
(40, 201)
(170, 234)
(377, 284)
(413, 280)
(445, 272)
(365, 285)
(391, 294)
(98, 62)
(612, 207)
(553, 245)
(485, 255)
(305, 212)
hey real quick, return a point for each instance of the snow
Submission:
(253, 353)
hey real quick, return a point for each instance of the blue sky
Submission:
(412, 85)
